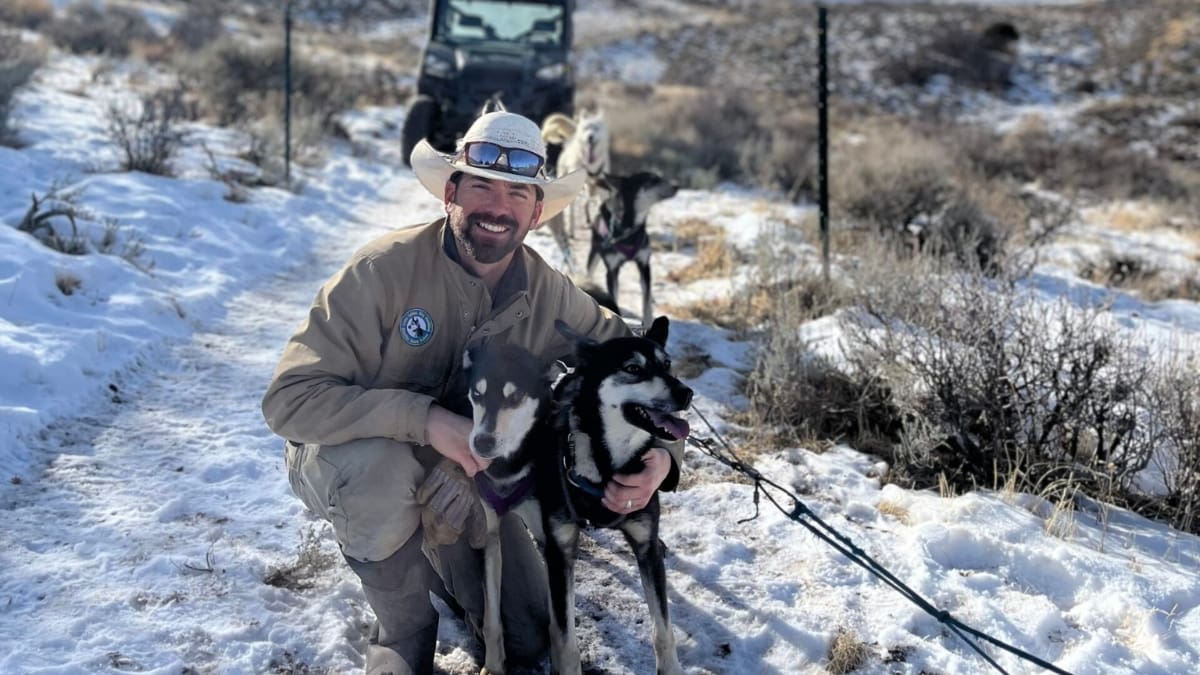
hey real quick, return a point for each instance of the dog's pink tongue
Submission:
(676, 427)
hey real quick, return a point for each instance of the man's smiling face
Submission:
(490, 218)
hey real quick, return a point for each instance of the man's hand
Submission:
(627, 493)
(451, 506)
(448, 434)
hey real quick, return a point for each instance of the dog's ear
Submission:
(658, 331)
(470, 356)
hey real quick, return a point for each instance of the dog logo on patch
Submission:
(416, 326)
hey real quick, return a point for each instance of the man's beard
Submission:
(465, 230)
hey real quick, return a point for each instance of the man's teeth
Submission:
(492, 227)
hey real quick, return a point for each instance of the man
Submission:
(368, 392)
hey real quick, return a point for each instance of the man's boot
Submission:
(404, 637)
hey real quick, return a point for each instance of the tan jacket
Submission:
(386, 334)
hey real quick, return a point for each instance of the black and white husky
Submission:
(510, 394)
(619, 231)
(617, 401)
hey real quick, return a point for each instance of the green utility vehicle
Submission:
(515, 50)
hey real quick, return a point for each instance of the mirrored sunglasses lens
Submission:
(483, 154)
(524, 162)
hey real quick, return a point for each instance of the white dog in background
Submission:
(585, 145)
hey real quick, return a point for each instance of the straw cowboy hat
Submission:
(511, 132)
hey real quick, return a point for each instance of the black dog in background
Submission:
(619, 229)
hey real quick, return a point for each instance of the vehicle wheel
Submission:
(418, 124)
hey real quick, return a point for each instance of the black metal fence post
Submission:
(823, 137)
(287, 92)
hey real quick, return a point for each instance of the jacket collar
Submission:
(515, 279)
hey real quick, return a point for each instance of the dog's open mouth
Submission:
(661, 424)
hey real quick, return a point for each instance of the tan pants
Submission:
(367, 490)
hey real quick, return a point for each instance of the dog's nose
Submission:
(684, 396)
(483, 444)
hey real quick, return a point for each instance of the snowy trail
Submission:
(180, 435)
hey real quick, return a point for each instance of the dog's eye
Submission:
(476, 394)
(633, 369)
(667, 364)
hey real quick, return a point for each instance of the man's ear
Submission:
(537, 215)
(448, 194)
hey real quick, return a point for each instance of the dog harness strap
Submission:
(582, 483)
(568, 477)
(503, 503)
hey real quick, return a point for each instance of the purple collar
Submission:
(502, 504)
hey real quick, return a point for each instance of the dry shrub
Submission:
(30, 14)
(783, 154)
(48, 217)
(199, 26)
(18, 61)
(1102, 167)
(970, 57)
(1005, 386)
(847, 653)
(794, 393)
(1140, 275)
(147, 133)
(891, 178)
(1156, 51)
(910, 189)
(241, 83)
(695, 136)
(86, 28)
(310, 564)
(1178, 412)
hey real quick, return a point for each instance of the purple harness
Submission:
(502, 504)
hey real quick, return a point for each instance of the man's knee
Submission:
(365, 488)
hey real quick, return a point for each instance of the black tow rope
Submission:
(801, 514)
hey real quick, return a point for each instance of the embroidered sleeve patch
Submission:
(416, 327)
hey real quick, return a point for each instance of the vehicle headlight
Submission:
(437, 66)
(554, 71)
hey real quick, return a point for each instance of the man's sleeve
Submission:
(317, 393)
(580, 311)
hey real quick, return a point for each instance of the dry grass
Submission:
(690, 232)
(1134, 216)
(714, 258)
(847, 653)
(740, 313)
(1061, 522)
(897, 511)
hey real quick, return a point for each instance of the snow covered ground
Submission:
(149, 526)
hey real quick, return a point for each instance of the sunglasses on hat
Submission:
(487, 155)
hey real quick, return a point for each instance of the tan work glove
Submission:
(451, 506)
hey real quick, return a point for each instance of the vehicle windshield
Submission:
(537, 23)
